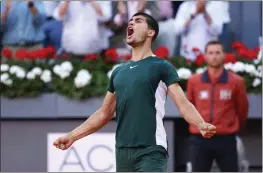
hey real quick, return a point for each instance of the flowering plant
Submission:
(31, 74)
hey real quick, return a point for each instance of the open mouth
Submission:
(130, 32)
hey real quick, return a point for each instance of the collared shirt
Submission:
(83, 31)
(21, 26)
(198, 33)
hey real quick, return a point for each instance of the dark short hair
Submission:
(214, 42)
(152, 23)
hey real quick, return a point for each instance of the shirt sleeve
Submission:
(169, 74)
(182, 16)
(111, 84)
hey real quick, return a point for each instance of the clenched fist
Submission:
(63, 142)
(207, 130)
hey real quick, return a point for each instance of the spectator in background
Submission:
(83, 26)
(196, 23)
(125, 11)
(166, 35)
(221, 99)
(52, 27)
(22, 24)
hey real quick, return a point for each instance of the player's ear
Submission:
(151, 33)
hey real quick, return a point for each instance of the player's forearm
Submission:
(191, 115)
(63, 9)
(91, 125)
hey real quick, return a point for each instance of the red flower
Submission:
(111, 55)
(65, 56)
(195, 49)
(256, 50)
(32, 55)
(162, 52)
(51, 51)
(21, 54)
(127, 57)
(251, 54)
(238, 45)
(7, 53)
(188, 60)
(200, 60)
(90, 57)
(242, 52)
(230, 58)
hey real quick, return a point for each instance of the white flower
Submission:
(46, 76)
(64, 74)
(14, 69)
(8, 82)
(4, 77)
(184, 73)
(113, 68)
(37, 71)
(4, 67)
(30, 75)
(20, 73)
(238, 67)
(61, 72)
(228, 66)
(57, 69)
(259, 68)
(251, 69)
(46, 72)
(259, 74)
(67, 66)
(83, 72)
(200, 70)
(256, 82)
(82, 79)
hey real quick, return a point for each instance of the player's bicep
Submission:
(177, 95)
(109, 105)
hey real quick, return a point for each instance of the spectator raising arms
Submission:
(22, 23)
(83, 23)
(196, 23)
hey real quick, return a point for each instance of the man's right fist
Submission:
(63, 142)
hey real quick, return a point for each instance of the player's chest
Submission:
(136, 75)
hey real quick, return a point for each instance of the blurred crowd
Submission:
(83, 27)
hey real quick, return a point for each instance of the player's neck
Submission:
(141, 52)
(214, 73)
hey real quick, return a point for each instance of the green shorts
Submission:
(141, 159)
